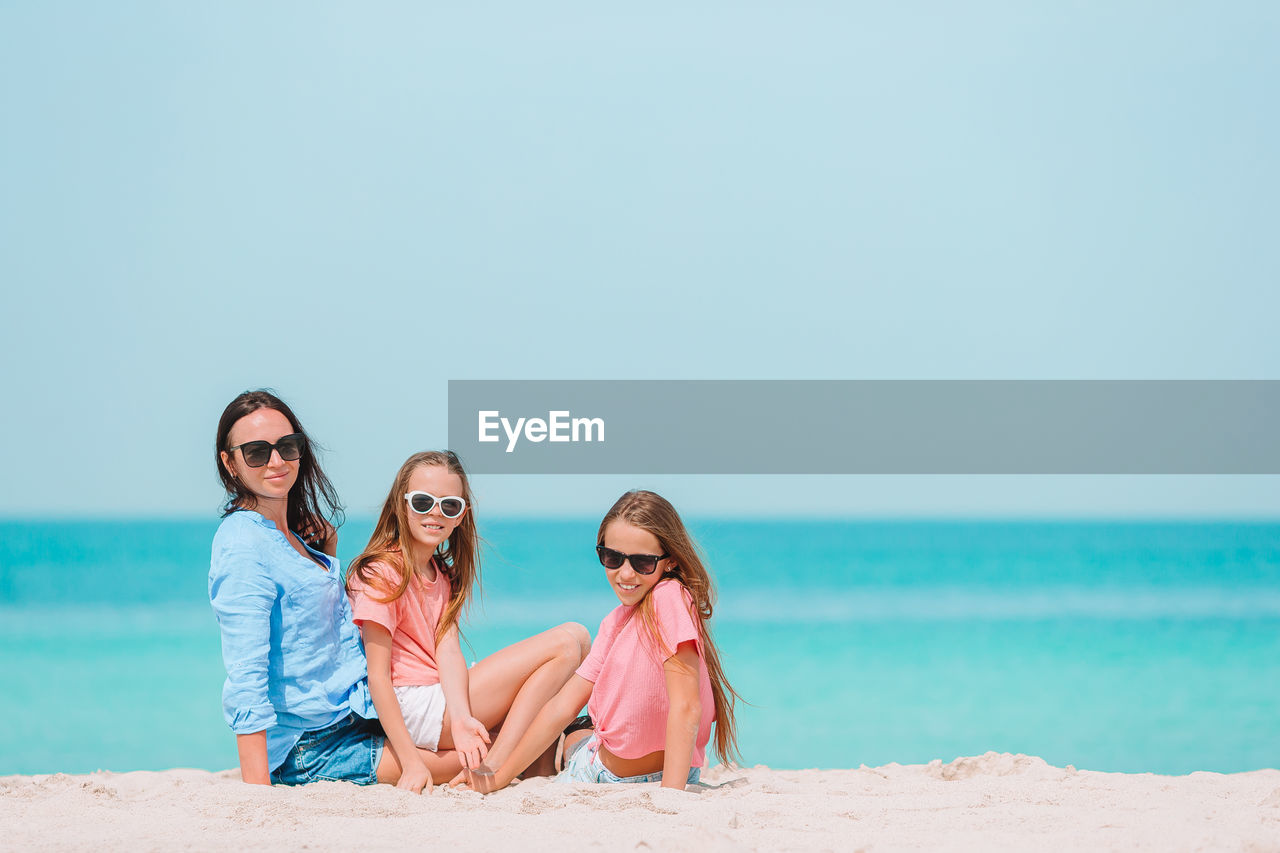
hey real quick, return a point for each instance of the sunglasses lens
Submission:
(643, 564)
(421, 503)
(451, 507)
(256, 453)
(610, 558)
(290, 448)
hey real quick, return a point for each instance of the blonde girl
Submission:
(652, 682)
(409, 589)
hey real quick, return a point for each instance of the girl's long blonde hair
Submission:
(458, 557)
(655, 514)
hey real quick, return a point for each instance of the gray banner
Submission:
(866, 427)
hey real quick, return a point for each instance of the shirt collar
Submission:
(257, 518)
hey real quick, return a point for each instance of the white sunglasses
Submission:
(423, 502)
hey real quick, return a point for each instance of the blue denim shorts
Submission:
(347, 751)
(584, 765)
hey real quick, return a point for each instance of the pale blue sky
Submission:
(355, 203)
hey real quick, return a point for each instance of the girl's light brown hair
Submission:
(458, 556)
(655, 514)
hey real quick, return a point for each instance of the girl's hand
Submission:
(415, 777)
(482, 780)
(470, 739)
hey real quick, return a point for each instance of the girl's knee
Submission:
(577, 643)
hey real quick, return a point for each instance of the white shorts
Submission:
(423, 710)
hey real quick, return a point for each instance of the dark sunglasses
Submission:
(423, 502)
(258, 453)
(642, 564)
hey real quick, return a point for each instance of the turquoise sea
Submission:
(1151, 646)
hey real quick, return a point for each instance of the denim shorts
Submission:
(584, 765)
(347, 751)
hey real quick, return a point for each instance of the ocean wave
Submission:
(773, 607)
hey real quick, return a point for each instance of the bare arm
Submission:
(683, 716)
(414, 774)
(470, 737)
(453, 674)
(544, 729)
(253, 758)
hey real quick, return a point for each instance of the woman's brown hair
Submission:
(653, 513)
(458, 556)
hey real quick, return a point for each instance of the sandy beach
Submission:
(990, 802)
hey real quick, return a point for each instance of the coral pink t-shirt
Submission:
(629, 700)
(411, 619)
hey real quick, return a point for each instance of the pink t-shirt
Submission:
(412, 619)
(629, 700)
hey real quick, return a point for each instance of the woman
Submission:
(297, 693)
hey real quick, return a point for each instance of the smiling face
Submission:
(430, 530)
(270, 482)
(629, 585)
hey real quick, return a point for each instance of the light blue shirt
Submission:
(293, 656)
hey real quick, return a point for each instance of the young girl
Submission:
(408, 590)
(653, 676)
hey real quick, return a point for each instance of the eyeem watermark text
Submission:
(1137, 427)
(559, 426)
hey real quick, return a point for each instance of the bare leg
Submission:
(543, 765)
(510, 686)
(444, 765)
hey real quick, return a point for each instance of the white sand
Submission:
(992, 802)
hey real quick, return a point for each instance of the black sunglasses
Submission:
(643, 564)
(258, 453)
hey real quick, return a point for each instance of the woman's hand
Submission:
(327, 539)
(253, 758)
(415, 776)
(470, 739)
